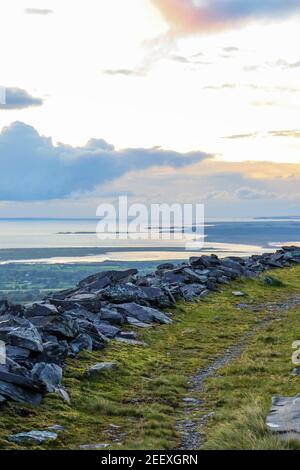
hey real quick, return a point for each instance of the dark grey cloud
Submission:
(38, 11)
(17, 98)
(32, 168)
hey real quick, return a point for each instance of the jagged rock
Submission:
(40, 309)
(112, 316)
(144, 314)
(108, 330)
(60, 326)
(284, 417)
(165, 266)
(32, 437)
(20, 380)
(54, 353)
(82, 342)
(192, 291)
(124, 293)
(63, 394)
(2, 399)
(175, 277)
(99, 340)
(19, 332)
(96, 281)
(19, 394)
(138, 324)
(49, 374)
(99, 367)
(16, 353)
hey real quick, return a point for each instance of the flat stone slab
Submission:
(100, 367)
(238, 293)
(284, 417)
(32, 437)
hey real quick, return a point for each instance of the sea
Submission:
(76, 241)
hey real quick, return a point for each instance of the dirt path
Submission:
(190, 427)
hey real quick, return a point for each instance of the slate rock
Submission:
(112, 316)
(144, 314)
(49, 374)
(32, 437)
(238, 293)
(60, 326)
(138, 324)
(95, 281)
(82, 342)
(100, 367)
(53, 353)
(19, 394)
(109, 331)
(40, 309)
(284, 417)
(21, 333)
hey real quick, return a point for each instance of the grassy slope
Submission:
(144, 395)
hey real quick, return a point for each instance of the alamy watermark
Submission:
(183, 223)
(2, 95)
(2, 353)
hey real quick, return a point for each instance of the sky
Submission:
(163, 100)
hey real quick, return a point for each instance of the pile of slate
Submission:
(40, 336)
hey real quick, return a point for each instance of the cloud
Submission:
(192, 16)
(32, 168)
(16, 98)
(38, 11)
(241, 136)
(294, 133)
(291, 133)
(249, 193)
(125, 72)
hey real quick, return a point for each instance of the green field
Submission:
(138, 405)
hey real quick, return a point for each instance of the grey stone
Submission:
(54, 352)
(32, 437)
(19, 394)
(26, 336)
(82, 342)
(49, 374)
(238, 293)
(108, 330)
(112, 316)
(100, 367)
(96, 280)
(59, 326)
(131, 342)
(138, 324)
(94, 446)
(56, 428)
(284, 417)
(40, 309)
(144, 314)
